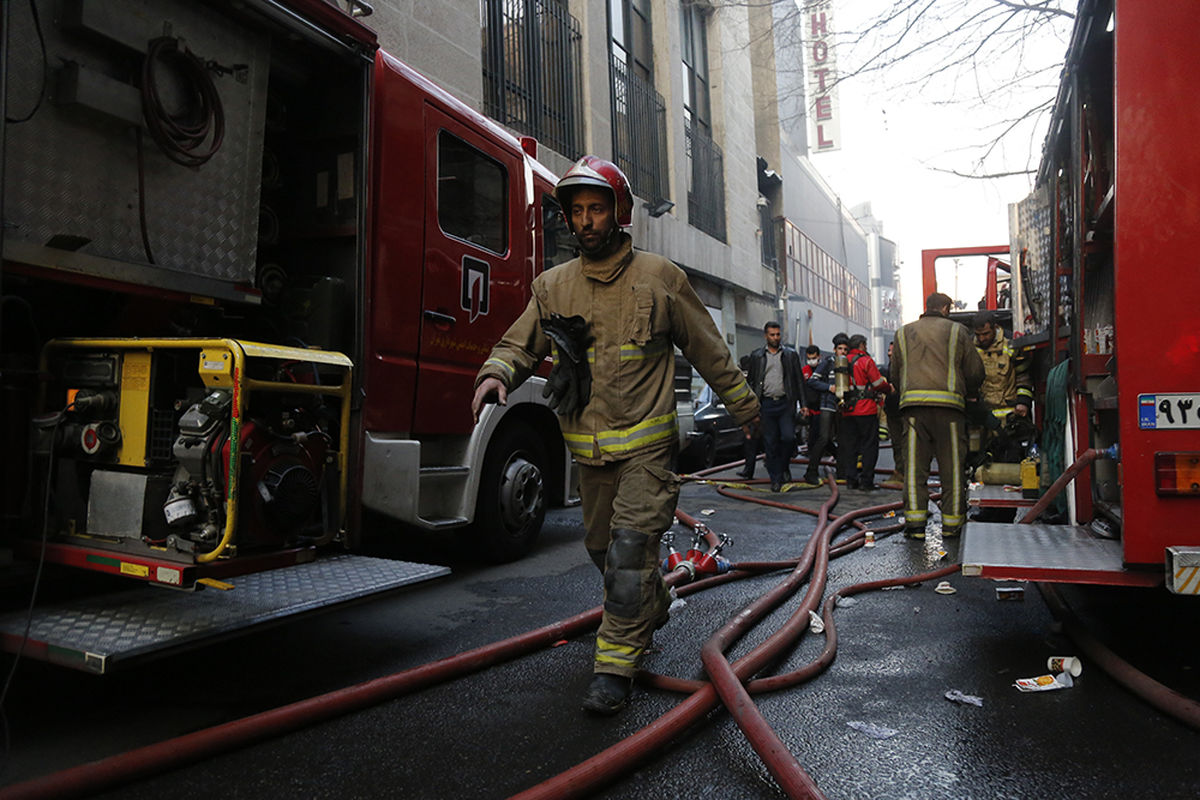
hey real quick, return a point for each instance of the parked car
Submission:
(715, 437)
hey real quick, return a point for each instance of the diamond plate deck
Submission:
(1058, 553)
(98, 633)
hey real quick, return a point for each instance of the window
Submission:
(472, 201)
(558, 245)
(639, 121)
(705, 168)
(696, 107)
(818, 277)
(629, 21)
(531, 70)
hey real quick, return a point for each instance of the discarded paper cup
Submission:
(1069, 664)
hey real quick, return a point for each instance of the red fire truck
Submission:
(1104, 291)
(251, 264)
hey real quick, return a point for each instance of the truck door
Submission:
(477, 267)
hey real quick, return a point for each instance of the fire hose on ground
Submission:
(731, 682)
(163, 756)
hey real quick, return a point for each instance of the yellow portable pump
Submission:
(193, 450)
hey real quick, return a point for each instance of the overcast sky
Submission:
(892, 141)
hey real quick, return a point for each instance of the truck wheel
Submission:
(512, 494)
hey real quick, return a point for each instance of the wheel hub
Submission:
(520, 492)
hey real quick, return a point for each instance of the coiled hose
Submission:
(180, 135)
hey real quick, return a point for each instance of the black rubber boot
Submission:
(607, 694)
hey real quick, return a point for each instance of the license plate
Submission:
(1168, 411)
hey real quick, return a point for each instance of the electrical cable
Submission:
(141, 190)
(33, 593)
(181, 136)
(37, 26)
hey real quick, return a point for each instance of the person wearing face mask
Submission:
(820, 384)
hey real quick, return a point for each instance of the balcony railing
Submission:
(706, 194)
(531, 71)
(639, 123)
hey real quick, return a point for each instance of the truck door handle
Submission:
(440, 318)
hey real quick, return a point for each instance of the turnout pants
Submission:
(896, 432)
(941, 433)
(626, 507)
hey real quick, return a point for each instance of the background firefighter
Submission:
(1006, 387)
(937, 367)
(635, 307)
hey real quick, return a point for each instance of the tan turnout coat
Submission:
(638, 306)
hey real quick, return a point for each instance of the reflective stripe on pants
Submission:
(940, 433)
(639, 494)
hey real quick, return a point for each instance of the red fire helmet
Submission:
(595, 171)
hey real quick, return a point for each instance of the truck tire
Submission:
(512, 494)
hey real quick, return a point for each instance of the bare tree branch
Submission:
(938, 48)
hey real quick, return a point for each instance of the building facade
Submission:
(686, 98)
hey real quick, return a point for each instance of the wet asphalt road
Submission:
(498, 732)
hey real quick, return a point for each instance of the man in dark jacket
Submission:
(820, 389)
(776, 376)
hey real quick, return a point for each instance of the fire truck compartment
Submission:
(994, 496)
(100, 633)
(1058, 553)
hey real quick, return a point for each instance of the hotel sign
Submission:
(820, 68)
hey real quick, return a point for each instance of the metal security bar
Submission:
(639, 121)
(531, 71)
(706, 192)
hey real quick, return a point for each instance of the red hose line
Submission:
(1161, 697)
(162, 756)
(687, 685)
(609, 764)
(1085, 458)
(778, 759)
(1156, 694)
(780, 762)
(827, 654)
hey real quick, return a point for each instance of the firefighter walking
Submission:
(937, 367)
(616, 312)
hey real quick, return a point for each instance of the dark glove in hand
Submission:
(569, 386)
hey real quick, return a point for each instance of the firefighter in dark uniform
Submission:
(618, 312)
(937, 367)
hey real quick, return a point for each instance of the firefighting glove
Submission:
(979, 414)
(569, 386)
